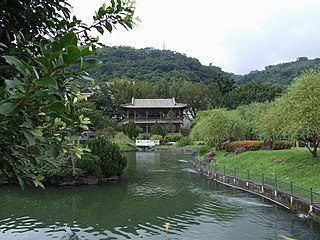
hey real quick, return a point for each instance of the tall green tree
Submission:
(217, 125)
(299, 110)
(131, 130)
(36, 99)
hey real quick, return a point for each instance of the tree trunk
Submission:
(313, 150)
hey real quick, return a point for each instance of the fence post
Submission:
(276, 182)
(224, 170)
(215, 168)
(234, 172)
(248, 176)
(291, 186)
(262, 175)
(311, 196)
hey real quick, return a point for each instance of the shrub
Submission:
(184, 141)
(185, 131)
(248, 145)
(172, 138)
(111, 160)
(143, 136)
(281, 144)
(132, 130)
(90, 164)
(121, 137)
(204, 149)
(157, 129)
(156, 137)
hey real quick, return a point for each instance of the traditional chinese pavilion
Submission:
(146, 112)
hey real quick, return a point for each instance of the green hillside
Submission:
(152, 65)
(282, 74)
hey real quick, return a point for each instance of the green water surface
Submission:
(159, 197)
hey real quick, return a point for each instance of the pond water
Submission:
(159, 197)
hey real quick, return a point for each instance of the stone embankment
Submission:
(282, 198)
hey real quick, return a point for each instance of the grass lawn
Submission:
(296, 165)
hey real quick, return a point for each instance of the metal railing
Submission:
(303, 194)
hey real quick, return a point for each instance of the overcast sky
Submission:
(236, 35)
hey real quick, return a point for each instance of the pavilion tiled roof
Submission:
(154, 103)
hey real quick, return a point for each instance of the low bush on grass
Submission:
(248, 145)
(281, 144)
(184, 141)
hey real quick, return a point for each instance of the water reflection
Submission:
(156, 189)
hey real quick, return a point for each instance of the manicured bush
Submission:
(90, 164)
(281, 144)
(131, 130)
(111, 160)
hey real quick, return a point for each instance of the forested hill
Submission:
(151, 65)
(282, 74)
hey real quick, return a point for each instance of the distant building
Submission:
(146, 112)
(86, 95)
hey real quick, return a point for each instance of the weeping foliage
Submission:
(217, 125)
(297, 112)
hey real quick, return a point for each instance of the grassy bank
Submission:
(296, 165)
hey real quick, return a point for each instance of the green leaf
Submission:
(58, 107)
(87, 78)
(29, 137)
(54, 152)
(21, 183)
(108, 26)
(56, 47)
(89, 64)
(26, 125)
(73, 54)
(58, 122)
(45, 46)
(8, 108)
(47, 82)
(85, 51)
(44, 61)
(69, 39)
(36, 132)
(100, 29)
(16, 63)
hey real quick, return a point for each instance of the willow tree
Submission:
(217, 125)
(299, 110)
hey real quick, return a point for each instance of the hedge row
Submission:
(253, 145)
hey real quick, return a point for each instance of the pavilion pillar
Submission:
(147, 113)
(135, 115)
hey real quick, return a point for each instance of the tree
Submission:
(36, 107)
(171, 116)
(217, 125)
(250, 93)
(131, 130)
(299, 110)
(157, 129)
(251, 114)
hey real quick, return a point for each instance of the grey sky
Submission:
(238, 36)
